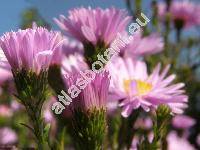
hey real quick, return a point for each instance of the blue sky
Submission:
(11, 10)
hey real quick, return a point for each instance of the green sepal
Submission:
(89, 129)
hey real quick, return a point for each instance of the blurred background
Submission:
(13, 14)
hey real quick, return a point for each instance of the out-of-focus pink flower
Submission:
(71, 47)
(5, 75)
(134, 143)
(183, 122)
(141, 46)
(3, 61)
(5, 111)
(16, 106)
(73, 63)
(48, 115)
(112, 106)
(143, 123)
(185, 12)
(5, 71)
(177, 143)
(94, 25)
(31, 49)
(8, 136)
(137, 139)
(136, 88)
(198, 140)
(93, 95)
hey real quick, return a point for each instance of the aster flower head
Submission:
(5, 111)
(93, 95)
(94, 25)
(184, 13)
(8, 136)
(136, 88)
(88, 108)
(30, 49)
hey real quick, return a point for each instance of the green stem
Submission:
(32, 91)
(178, 35)
(160, 127)
(126, 132)
(89, 129)
(38, 127)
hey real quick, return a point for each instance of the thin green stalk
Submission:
(126, 131)
(32, 92)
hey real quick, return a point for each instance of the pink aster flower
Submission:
(94, 25)
(47, 113)
(73, 63)
(5, 111)
(138, 89)
(30, 49)
(72, 47)
(143, 123)
(185, 12)
(198, 140)
(137, 140)
(177, 143)
(141, 46)
(93, 95)
(112, 106)
(183, 122)
(5, 75)
(3, 61)
(8, 136)
(16, 106)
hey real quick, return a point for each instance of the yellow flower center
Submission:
(142, 87)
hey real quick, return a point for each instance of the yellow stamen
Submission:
(127, 85)
(142, 87)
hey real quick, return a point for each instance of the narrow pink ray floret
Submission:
(93, 95)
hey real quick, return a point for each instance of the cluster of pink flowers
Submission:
(133, 86)
(35, 49)
(126, 84)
